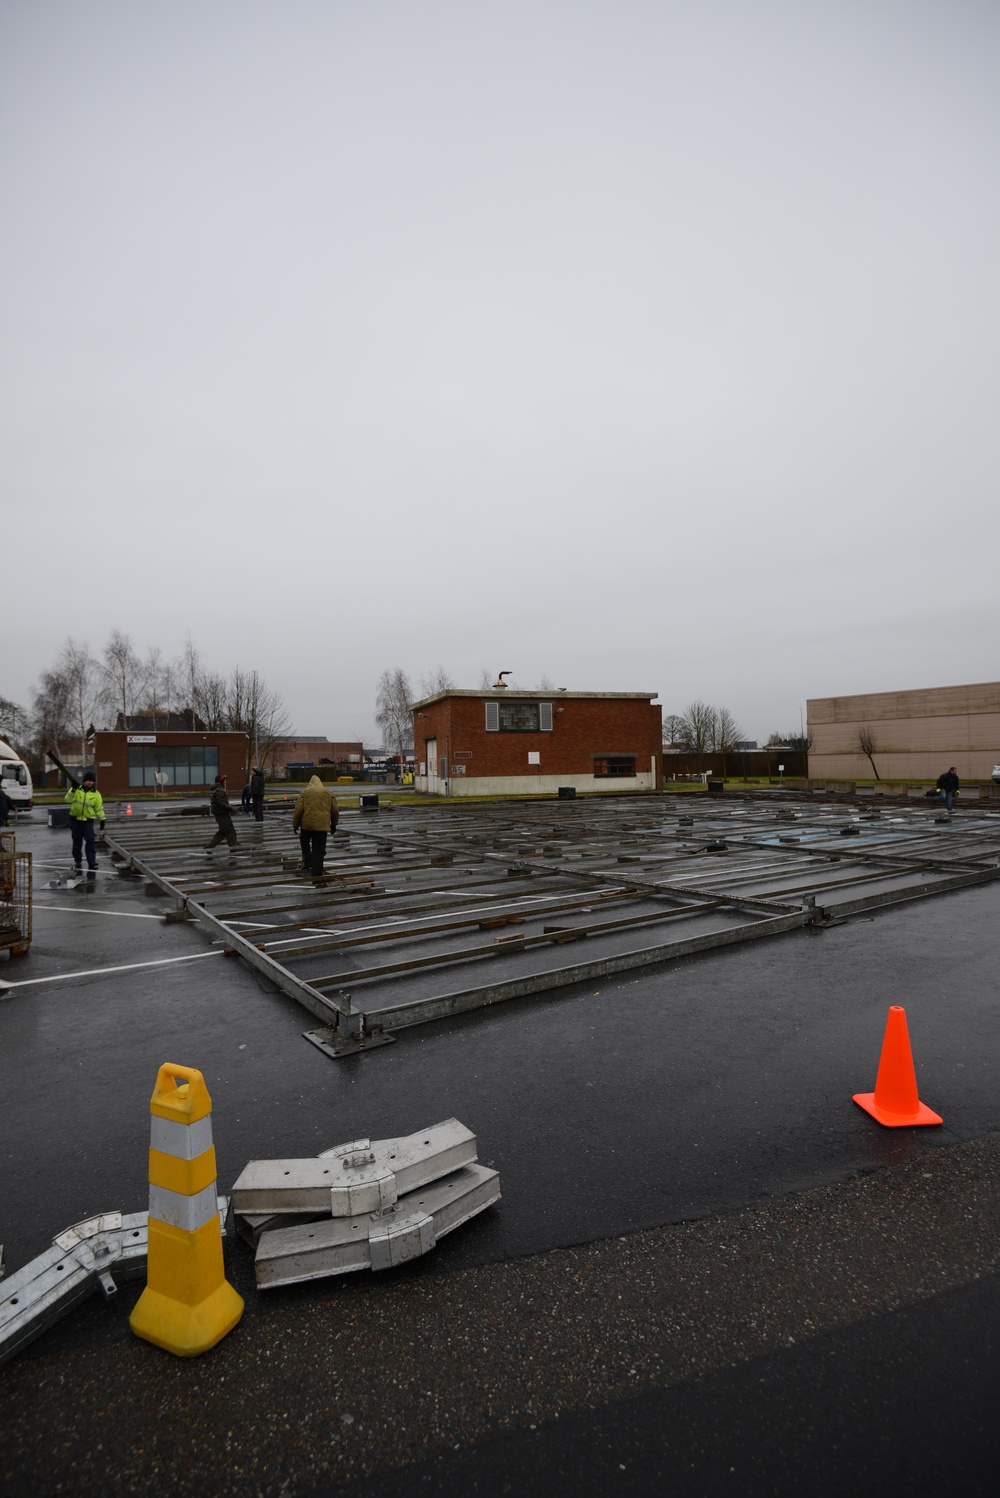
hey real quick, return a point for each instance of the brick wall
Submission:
(582, 728)
(111, 760)
(313, 752)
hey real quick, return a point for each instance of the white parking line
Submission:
(99, 972)
(133, 915)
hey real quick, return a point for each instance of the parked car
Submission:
(996, 773)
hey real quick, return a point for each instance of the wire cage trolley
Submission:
(15, 897)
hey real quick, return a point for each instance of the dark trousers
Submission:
(226, 832)
(83, 837)
(258, 808)
(313, 851)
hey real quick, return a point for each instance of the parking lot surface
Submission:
(680, 1136)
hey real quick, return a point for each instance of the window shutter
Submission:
(545, 717)
(492, 717)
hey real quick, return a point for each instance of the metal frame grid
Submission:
(434, 910)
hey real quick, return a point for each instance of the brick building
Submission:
(496, 742)
(190, 760)
(313, 749)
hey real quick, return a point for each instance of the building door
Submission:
(433, 782)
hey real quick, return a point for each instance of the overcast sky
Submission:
(639, 346)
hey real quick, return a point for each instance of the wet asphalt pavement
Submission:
(641, 1129)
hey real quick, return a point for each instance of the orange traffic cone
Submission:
(895, 1102)
(128, 809)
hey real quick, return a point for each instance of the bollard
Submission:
(187, 1305)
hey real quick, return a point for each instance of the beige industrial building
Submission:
(915, 735)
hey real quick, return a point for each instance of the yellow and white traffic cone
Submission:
(188, 1305)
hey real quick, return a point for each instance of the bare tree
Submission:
(255, 709)
(392, 711)
(84, 682)
(157, 685)
(212, 700)
(122, 675)
(485, 680)
(436, 681)
(190, 674)
(727, 734)
(866, 743)
(52, 709)
(698, 727)
(673, 729)
(15, 725)
(790, 740)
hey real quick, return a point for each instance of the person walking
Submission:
(947, 786)
(257, 794)
(315, 816)
(246, 801)
(221, 811)
(85, 808)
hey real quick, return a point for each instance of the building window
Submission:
(615, 764)
(183, 764)
(519, 717)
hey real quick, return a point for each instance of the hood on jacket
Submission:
(314, 780)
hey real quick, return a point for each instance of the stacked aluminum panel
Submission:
(91, 1255)
(367, 1204)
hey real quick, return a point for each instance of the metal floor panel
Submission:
(428, 910)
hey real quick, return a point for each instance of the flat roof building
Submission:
(498, 742)
(312, 750)
(190, 760)
(912, 735)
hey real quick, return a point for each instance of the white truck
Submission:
(16, 778)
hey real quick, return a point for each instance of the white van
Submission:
(16, 778)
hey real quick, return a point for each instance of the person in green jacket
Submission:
(85, 808)
(222, 812)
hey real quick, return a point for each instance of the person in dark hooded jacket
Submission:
(257, 794)
(947, 786)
